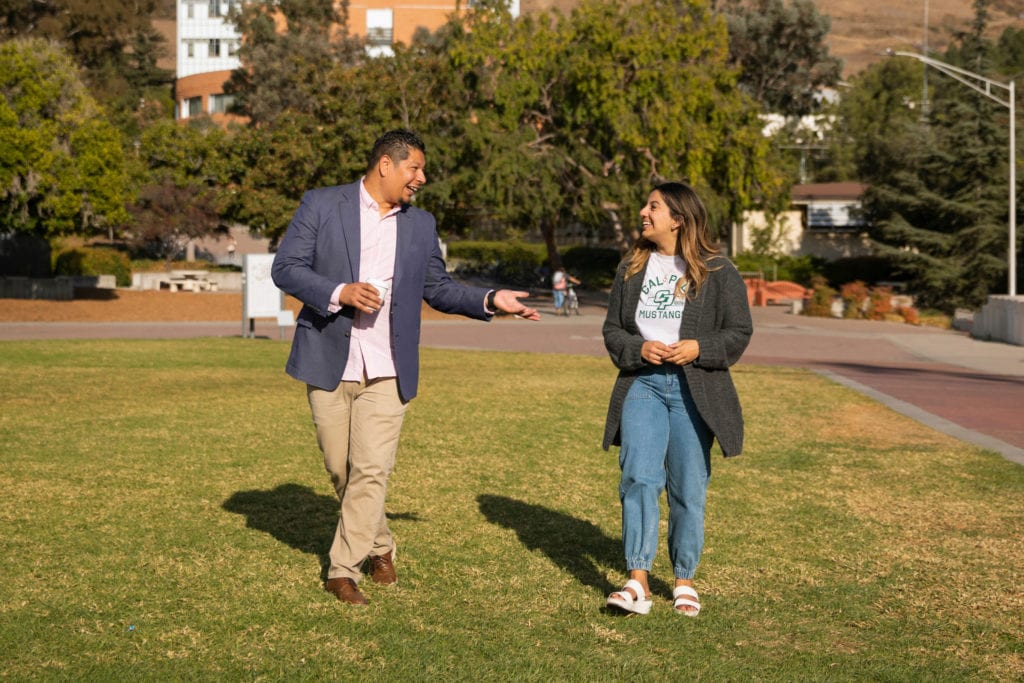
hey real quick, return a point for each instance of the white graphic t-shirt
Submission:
(659, 313)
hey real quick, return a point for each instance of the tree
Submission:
(879, 120)
(536, 121)
(113, 41)
(782, 52)
(321, 136)
(570, 117)
(288, 49)
(169, 216)
(61, 162)
(1008, 53)
(178, 170)
(937, 204)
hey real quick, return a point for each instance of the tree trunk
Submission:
(622, 242)
(547, 229)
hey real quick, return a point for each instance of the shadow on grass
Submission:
(577, 546)
(292, 514)
(295, 515)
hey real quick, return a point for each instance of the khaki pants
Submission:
(357, 427)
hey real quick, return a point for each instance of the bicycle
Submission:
(572, 302)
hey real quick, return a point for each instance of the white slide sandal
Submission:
(625, 601)
(681, 601)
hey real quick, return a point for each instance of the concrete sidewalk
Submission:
(970, 389)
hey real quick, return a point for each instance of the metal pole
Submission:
(924, 86)
(1013, 193)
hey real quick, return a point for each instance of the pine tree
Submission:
(939, 212)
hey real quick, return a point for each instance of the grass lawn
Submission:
(166, 515)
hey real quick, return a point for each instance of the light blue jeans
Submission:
(665, 446)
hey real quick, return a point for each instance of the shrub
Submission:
(822, 295)
(92, 261)
(930, 317)
(594, 266)
(522, 264)
(148, 265)
(867, 269)
(881, 303)
(909, 315)
(513, 263)
(856, 298)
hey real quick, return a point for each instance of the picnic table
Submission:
(189, 281)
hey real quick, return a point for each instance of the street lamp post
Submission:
(985, 86)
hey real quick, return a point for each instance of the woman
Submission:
(559, 286)
(678, 317)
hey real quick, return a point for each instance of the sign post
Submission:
(260, 297)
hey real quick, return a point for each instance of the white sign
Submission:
(260, 296)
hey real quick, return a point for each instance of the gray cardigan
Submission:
(718, 318)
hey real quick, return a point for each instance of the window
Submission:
(191, 8)
(194, 106)
(379, 27)
(220, 104)
(214, 49)
(232, 48)
(221, 8)
(190, 48)
(837, 215)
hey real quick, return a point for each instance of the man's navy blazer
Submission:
(320, 250)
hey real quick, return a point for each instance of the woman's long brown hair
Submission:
(693, 242)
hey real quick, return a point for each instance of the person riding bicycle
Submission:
(560, 281)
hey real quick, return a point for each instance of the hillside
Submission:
(863, 29)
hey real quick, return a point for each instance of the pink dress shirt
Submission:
(369, 354)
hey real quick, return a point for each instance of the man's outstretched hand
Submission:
(507, 301)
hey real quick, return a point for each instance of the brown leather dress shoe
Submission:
(382, 569)
(345, 589)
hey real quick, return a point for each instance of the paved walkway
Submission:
(970, 389)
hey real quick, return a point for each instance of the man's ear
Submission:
(384, 165)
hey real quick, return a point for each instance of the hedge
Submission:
(526, 265)
(91, 261)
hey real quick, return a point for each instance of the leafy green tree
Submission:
(571, 118)
(113, 41)
(323, 139)
(271, 166)
(288, 50)
(782, 52)
(178, 170)
(61, 162)
(879, 120)
(194, 153)
(531, 122)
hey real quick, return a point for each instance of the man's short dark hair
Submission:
(395, 144)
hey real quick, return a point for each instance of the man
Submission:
(357, 344)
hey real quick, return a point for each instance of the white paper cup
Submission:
(381, 286)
